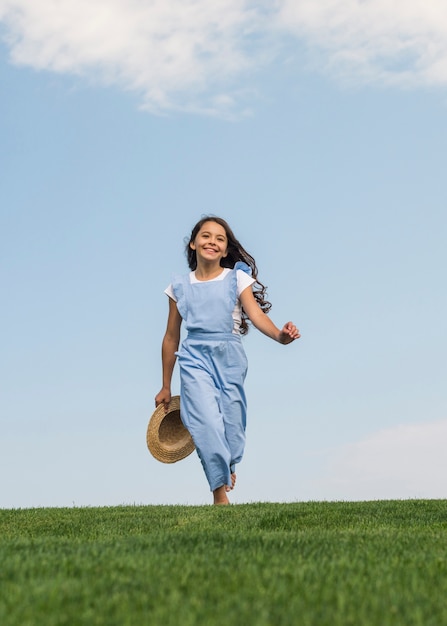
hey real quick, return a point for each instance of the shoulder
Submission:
(241, 266)
(181, 279)
(244, 280)
(176, 288)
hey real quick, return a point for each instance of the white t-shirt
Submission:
(244, 280)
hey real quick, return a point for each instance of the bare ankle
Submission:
(220, 496)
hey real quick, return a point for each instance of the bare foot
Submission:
(233, 482)
(220, 496)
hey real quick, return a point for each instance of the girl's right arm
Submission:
(288, 333)
(169, 347)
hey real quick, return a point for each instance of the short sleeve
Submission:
(244, 280)
(170, 293)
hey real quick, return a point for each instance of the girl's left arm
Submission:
(288, 333)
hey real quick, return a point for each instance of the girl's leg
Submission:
(234, 410)
(220, 496)
(234, 405)
(201, 414)
(214, 410)
(233, 482)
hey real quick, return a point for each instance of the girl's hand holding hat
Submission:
(164, 396)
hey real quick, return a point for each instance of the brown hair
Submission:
(235, 252)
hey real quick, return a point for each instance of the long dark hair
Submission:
(235, 252)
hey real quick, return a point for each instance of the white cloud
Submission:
(175, 53)
(395, 41)
(202, 56)
(407, 461)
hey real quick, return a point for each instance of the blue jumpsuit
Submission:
(213, 366)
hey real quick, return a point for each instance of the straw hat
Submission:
(167, 439)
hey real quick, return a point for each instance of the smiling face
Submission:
(210, 243)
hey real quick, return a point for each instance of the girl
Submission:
(215, 300)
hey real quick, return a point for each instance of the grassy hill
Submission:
(315, 563)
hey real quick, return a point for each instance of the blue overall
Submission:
(213, 366)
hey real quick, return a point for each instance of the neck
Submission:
(204, 272)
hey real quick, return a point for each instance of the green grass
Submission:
(333, 563)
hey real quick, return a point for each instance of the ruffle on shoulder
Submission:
(240, 265)
(178, 287)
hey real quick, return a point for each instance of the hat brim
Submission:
(167, 438)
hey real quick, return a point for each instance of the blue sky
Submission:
(319, 133)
